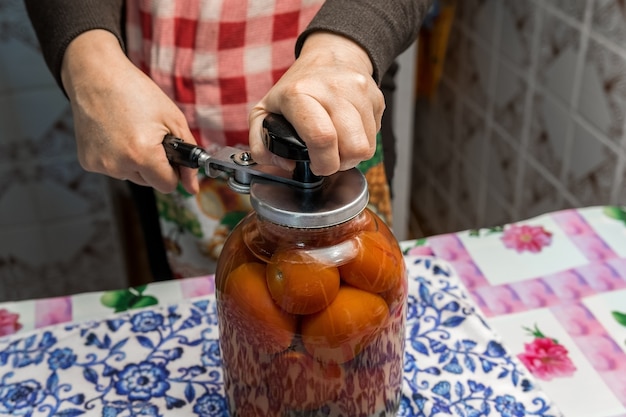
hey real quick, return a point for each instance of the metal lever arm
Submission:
(237, 164)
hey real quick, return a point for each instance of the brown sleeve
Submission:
(58, 22)
(384, 28)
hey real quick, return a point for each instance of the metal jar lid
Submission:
(339, 198)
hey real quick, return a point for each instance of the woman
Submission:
(209, 71)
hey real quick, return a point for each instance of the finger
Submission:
(316, 128)
(189, 179)
(157, 171)
(164, 182)
(378, 108)
(136, 178)
(255, 135)
(356, 136)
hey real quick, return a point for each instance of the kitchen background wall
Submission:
(58, 232)
(529, 116)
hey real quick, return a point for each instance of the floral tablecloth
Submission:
(527, 319)
(554, 288)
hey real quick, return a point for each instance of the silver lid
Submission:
(339, 198)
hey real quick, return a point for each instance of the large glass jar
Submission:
(311, 317)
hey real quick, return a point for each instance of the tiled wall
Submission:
(57, 233)
(529, 117)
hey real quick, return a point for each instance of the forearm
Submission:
(58, 22)
(84, 58)
(382, 28)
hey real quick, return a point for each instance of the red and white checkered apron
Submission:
(216, 59)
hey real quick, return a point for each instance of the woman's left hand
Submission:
(331, 99)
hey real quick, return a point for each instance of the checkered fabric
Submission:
(216, 58)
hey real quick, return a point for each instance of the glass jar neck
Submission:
(264, 237)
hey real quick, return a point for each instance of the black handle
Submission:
(282, 139)
(279, 137)
(181, 153)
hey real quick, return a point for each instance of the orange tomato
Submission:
(339, 332)
(299, 284)
(376, 267)
(248, 308)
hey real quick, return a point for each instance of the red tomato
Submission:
(248, 308)
(299, 284)
(376, 267)
(339, 332)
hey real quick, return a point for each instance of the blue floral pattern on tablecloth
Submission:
(165, 361)
(454, 363)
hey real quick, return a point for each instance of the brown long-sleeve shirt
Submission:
(383, 28)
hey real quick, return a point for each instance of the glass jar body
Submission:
(312, 320)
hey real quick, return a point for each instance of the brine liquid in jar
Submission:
(312, 320)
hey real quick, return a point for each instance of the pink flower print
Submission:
(545, 358)
(197, 286)
(526, 238)
(49, 311)
(9, 323)
(420, 251)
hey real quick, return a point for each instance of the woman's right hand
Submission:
(121, 115)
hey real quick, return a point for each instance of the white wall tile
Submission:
(24, 69)
(22, 65)
(608, 20)
(517, 28)
(64, 190)
(592, 168)
(478, 16)
(29, 115)
(572, 8)
(549, 133)
(603, 95)
(84, 256)
(17, 206)
(588, 154)
(509, 101)
(473, 135)
(65, 240)
(475, 75)
(23, 245)
(559, 49)
(502, 167)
